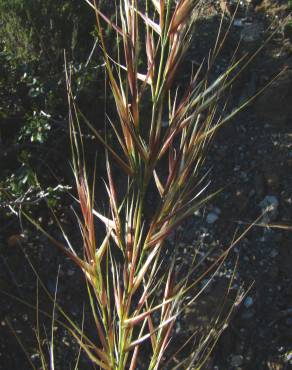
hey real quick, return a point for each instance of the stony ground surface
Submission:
(251, 159)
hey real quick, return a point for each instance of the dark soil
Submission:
(251, 159)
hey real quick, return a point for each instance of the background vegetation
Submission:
(33, 112)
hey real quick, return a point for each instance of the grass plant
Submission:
(136, 288)
(175, 132)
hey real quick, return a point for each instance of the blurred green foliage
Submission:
(34, 35)
(39, 30)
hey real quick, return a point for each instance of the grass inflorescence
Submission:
(162, 134)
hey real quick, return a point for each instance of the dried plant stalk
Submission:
(163, 146)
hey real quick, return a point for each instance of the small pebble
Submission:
(269, 206)
(212, 217)
(236, 360)
(274, 253)
(238, 23)
(248, 302)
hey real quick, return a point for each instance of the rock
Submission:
(274, 253)
(238, 22)
(34, 356)
(269, 206)
(212, 217)
(236, 361)
(248, 302)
